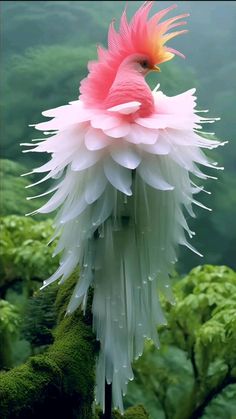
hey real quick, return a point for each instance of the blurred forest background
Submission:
(45, 47)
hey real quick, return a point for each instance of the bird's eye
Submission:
(144, 63)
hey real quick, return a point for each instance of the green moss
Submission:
(136, 412)
(59, 382)
(64, 295)
(23, 387)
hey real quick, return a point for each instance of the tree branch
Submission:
(198, 412)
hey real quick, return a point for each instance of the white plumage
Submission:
(123, 188)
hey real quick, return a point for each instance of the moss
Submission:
(63, 296)
(136, 412)
(59, 382)
(75, 344)
(25, 389)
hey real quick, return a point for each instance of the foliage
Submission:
(223, 406)
(40, 317)
(9, 317)
(9, 326)
(13, 192)
(196, 366)
(24, 254)
(50, 23)
(25, 261)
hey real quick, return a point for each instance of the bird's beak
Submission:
(156, 68)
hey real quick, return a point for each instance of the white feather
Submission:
(121, 206)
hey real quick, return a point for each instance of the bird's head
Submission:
(140, 44)
(139, 63)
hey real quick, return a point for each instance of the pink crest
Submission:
(141, 35)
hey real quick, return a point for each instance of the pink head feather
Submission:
(139, 36)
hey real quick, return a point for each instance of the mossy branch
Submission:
(59, 382)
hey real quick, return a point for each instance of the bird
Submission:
(123, 163)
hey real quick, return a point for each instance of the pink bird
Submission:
(123, 158)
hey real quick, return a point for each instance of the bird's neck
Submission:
(130, 86)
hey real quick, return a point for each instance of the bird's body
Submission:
(136, 92)
(122, 156)
(130, 83)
